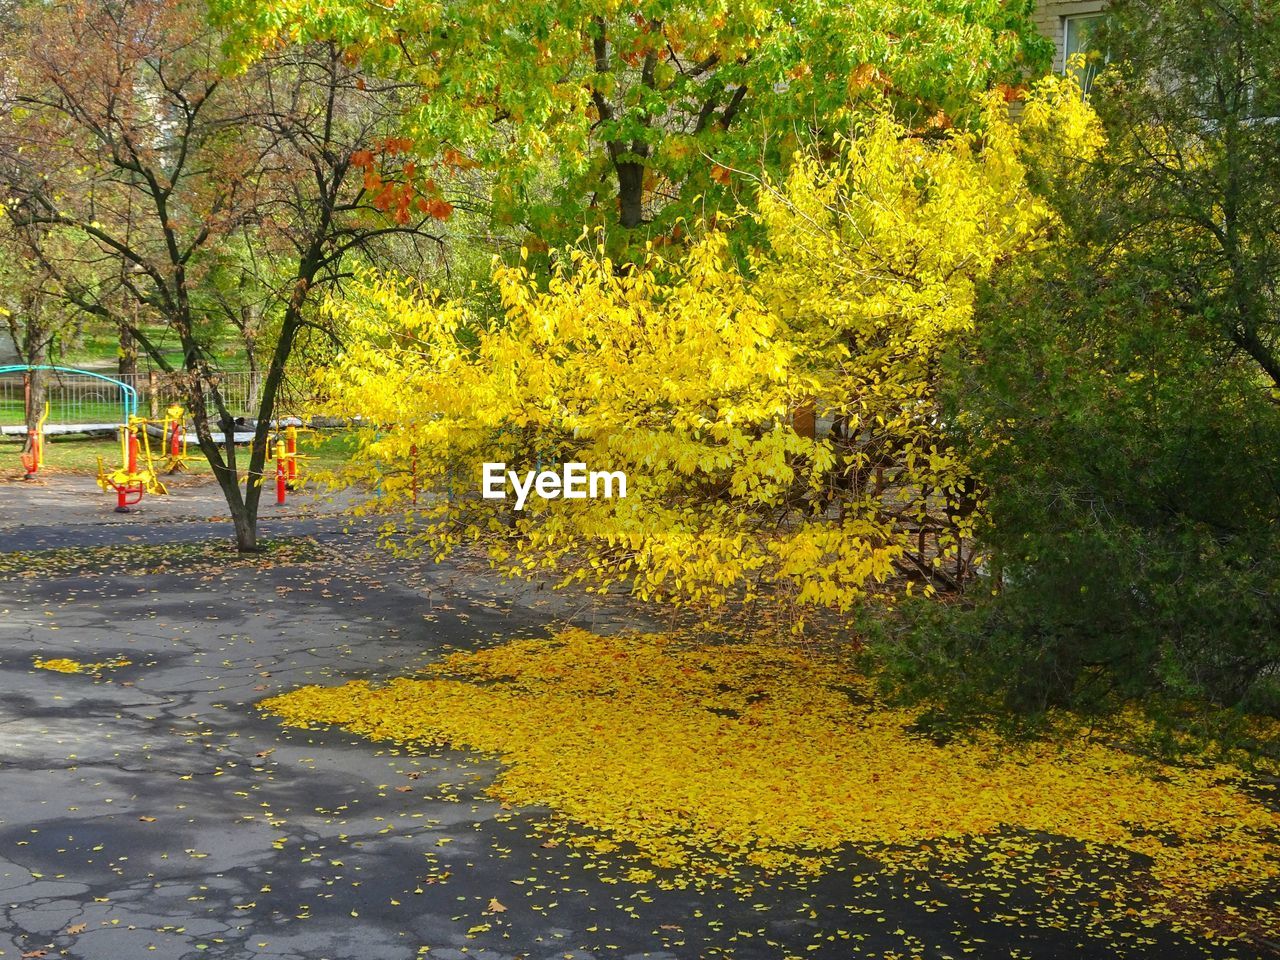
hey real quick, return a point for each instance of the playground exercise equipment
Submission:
(33, 456)
(128, 395)
(137, 474)
(287, 457)
(173, 436)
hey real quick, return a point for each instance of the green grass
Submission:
(101, 347)
(13, 413)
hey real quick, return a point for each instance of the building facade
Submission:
(1071, 24)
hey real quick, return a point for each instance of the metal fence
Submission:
(74, 399)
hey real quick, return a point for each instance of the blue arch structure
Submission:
(128, 395)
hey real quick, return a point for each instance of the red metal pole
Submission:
(175, 447)
(133, 453)
(291, 448)
(281, 480)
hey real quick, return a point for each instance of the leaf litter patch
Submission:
(156, 558)
(706, 764)
(68, 665)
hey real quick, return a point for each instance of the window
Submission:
(1080, 41)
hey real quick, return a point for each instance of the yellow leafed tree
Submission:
(776, 415)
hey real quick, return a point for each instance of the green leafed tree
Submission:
(1123, 400)
(632, 113)
(201, 198)
(34, 316)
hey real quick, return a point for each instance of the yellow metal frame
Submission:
(173, 417)
(145, 477)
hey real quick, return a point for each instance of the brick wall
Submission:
(1049, 14)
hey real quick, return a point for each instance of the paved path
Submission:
(152, 812)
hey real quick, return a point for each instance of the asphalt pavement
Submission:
(150, 810)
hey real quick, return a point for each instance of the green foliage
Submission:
(703, 382)
(1133, 499)
(640, 113)
(1190, 185)
(1120, 402)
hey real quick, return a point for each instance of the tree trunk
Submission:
(34, 350)
(36, 353)
(35, 397)
(128, 367)
(631, 193)
(246, 528)
(243, 509)
(255, 379)
(243, 513)
(260, 450)
(244, 517)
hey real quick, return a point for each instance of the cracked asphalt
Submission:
(149, 810)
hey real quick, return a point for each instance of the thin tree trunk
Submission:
(35, 395)
(128, 365)
(36, 353)
(243, 514)
(267, 404)
(255, 377)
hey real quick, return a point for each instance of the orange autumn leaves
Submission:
(707, 760)
(400, 191)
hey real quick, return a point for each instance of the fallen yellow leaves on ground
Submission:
(709, 758)
(67, 665)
